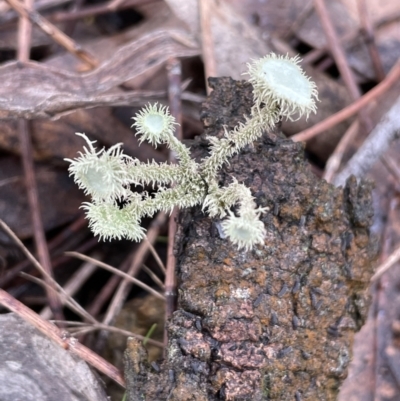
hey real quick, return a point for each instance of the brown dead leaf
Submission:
(388, 44)
(229, 40)
(273, 20)
(34, 90)
(55, 140)
(8, 38)
(345, 18)
(311, 32)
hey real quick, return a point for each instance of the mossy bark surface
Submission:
(277, 322)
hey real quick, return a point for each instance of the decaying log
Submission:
(275, 323)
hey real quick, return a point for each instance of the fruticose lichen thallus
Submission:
(280, 89)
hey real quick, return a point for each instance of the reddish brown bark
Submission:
(275, 323)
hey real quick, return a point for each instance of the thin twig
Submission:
(388, 19)
(99, 326)
(347, 41)
(66, 299)
(313, 55)
(336, 49)
(74, 284)
(58, 336)
(86, 329)
(389, 262)
(349, 111)
(340, 58)
(108, 289)
(71, 230)
(77, 225)
(123, 290)
(368, 32)
(8, 15)
(377, 143)
(38, 266)
(299, 21)
(117, 272)
(153, 277)
(324, 64)
(207, 39)
(156, 256)
(24, 35)
(335, 159)
(24, 46)
(51, 30)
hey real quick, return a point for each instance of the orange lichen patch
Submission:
(227, 261)
(222, 292)
(260, 277)
(291, 210)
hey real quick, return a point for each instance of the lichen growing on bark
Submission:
(281, 90)
(277, 322)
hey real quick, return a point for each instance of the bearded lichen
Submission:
(280, 89)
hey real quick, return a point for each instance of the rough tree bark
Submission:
(275, 323)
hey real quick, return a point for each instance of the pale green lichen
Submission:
(280, 89)
(101, 174)
(154, 124)
(278, 81)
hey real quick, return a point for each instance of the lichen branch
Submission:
(280, 89)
